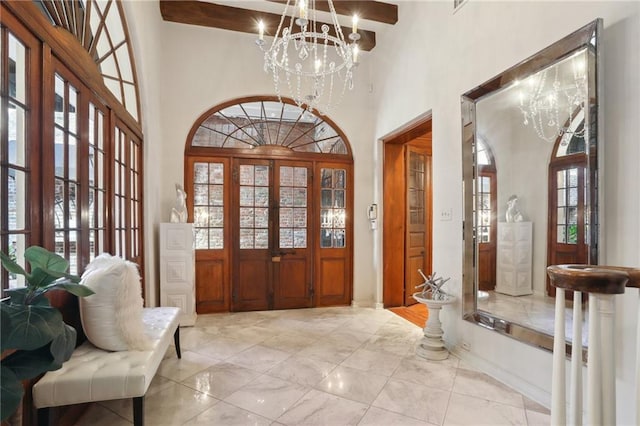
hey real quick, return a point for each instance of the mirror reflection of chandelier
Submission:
(310, 58)
(553, 99)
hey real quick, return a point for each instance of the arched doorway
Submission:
(568, 226)
(272, 207)
(486, 228)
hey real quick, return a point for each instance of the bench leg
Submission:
(176, 341)
(138, 411)
(43, 416)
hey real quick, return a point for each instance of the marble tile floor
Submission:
(323, 366)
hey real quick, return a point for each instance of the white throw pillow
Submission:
(112, 317)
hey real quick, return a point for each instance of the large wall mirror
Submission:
(530, 140)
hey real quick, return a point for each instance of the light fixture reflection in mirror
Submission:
(533, 132)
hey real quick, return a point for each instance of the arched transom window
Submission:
(261, 123)
(101, 29)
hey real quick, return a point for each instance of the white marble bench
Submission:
(93, 374)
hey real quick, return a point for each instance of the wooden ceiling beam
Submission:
(378, 11)
(238, 19)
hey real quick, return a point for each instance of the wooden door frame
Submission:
(556, 164)
(393, 224)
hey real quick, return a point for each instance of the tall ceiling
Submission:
(243, 16)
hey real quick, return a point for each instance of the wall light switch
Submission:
(446, 215)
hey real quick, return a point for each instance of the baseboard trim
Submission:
(527, 389)
(362, 304)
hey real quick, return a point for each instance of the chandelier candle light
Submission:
(552, 109)
(310, 60)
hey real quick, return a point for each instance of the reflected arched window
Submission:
(484, 157)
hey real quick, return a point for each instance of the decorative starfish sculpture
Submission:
(431, 286)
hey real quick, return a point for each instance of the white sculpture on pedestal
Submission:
(513, 211)
(432, 346)
(179, 212)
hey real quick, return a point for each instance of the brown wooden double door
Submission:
(268, 235)
(271, 231)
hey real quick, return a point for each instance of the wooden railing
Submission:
(601, 283)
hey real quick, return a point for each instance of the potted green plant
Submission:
(32, 331)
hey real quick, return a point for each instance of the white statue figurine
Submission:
(179, 212)
(513, 211)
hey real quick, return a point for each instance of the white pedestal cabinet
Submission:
(515, 253)
(177, 270)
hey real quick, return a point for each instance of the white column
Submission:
(594, 388)
(575, 392)
(638, 367)
(607, 329)
(558, 385)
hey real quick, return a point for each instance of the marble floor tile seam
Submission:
(372, 407)
(318, 390)
(409, 382)
(230, 402)
(493, 401)
(106, 407)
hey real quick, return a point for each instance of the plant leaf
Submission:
(31, 326)
(28, 364)
(75, 289)
(18, 295)
(12, 266)
(42, 258)
(62, 347)
(21, 296)
(11, 392)
(40, 277)
(5, 328)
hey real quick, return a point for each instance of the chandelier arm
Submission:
(334, 18)
(277, 34)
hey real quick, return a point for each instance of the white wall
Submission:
(146, 50)
(423, 63)
(186, 70)
(446, 54)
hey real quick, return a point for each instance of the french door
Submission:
(486, 229)
(271, 237)
(268, 235)
(568, 233)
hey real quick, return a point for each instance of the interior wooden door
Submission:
(273, 257)
(486, 230)
(416, 230)
(209, 181)
(252, 223)
(291, 256)
(568, 219)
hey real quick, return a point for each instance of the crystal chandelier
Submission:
(552, 109)
(309, 58)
